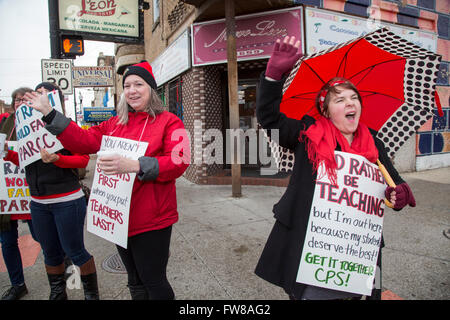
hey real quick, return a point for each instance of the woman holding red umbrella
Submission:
(313, 142)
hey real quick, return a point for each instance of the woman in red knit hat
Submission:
(153, 208)
(313, 143)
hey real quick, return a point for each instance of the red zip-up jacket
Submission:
(153, 204)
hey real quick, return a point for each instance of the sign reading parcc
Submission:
(58, 71)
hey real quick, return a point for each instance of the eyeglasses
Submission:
(19, 100)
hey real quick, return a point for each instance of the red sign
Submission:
(255, 36)
(98, 8)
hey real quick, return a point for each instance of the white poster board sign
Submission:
(106, 17)
(109, 203)
(326, 28)
(14, 192)
(31, 133)
(173, 61)
(344, 230)
(59, 72)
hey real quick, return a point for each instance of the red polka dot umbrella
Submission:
(396, 80)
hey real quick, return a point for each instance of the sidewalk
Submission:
(218, 240)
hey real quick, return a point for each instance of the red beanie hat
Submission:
(142, 69)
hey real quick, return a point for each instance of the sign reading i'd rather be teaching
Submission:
(344, 230)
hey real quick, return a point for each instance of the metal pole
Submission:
(55, 45)
(232, 94)
(75, 105)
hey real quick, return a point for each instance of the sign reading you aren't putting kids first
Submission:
(343, 236)
(109, 203)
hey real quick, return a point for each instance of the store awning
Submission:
(215, 9)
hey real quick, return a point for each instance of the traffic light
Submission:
(72, 45)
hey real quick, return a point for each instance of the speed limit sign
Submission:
(58, 71)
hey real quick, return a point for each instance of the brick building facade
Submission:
(199, 94)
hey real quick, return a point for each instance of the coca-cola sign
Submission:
(255, 36)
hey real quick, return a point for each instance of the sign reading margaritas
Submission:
(111, 17)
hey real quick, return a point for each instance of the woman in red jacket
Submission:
(153, 208)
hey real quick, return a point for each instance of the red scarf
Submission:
(321, 143)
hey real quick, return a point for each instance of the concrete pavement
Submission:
(218, 240)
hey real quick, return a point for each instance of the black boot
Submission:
(89, 280)
(57, 282)
(57, 286)
(138, 292)
(90, 286)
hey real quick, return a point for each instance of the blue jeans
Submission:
(11, 252)
(59, 229)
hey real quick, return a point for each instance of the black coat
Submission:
(280, 258)
(45, 179)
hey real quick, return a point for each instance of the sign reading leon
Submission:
(14, 191)
(109, 202)
(31, 133)
(106, 17)
(344, 229)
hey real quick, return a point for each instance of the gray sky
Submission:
(24, 35)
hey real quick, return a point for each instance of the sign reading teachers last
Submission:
(344, 230)
(14, 192)
(109, 202)
(31, 133)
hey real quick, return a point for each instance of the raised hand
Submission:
(283, 58)
(38, 102)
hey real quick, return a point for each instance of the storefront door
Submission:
(247, 121)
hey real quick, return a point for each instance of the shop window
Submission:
(162, 95)
(155, 12)
(176, 98)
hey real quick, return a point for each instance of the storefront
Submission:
(192, 81)
(197, 92)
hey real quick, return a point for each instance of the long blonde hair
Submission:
(154, 107)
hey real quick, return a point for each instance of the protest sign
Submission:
(344, 230)
(31, 133)
(109, 203)
(14, 192)
(2, 144)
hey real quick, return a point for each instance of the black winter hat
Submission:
(50, 86)
(143, 70)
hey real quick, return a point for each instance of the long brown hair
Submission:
(19, 91)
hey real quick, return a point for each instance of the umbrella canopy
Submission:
(396, 80)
